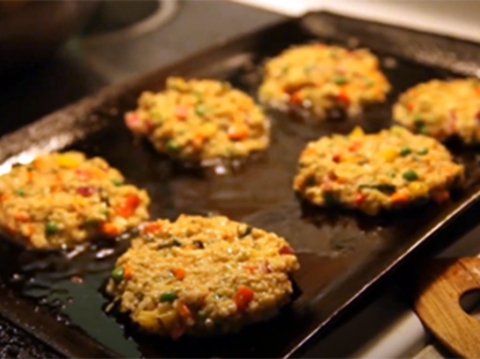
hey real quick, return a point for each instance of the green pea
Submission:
(340, 80)
(391, 174)
(200, 110)
(51, 227)
(117, 182)
(405, 151)
(20, 192)
(422, 151)
(117, 274)
(104, 211)
(173, 146)
(410, 175)
(168, 297)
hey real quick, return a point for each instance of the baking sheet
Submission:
(341, 254)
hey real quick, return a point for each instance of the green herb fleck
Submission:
(168, 297)
(410, 175)
(369, 82)
(51, 227)
(200, 110)
(198, 95)
(173, 146)
(117, 182)
(340, 80)
(20, 192)
(405, 151)
(423, 151)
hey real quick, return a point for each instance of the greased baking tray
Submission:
(342, 254)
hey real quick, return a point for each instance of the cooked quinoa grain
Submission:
(322, 78)
(390, 169)
(61, 199)
(202, 276)
(200, 120)
(442, 109)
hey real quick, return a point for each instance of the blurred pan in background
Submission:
(32, 30)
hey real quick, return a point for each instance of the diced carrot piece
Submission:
(251, 268)
(399, 197)
(184, 311)
(4, 197)
(360, 198)
(336, 157)
(179, 273)
(56, 189)
(128, 207)
(355, 146)
(343, 96)
(286, 250)
(243, 297)
(307, 152)
(177, 331)
(82, 174)
(410, 105)
(296, 98)
(29, 176)
(238, 133)
(109, 229)
(127, 271)
(150, 227)
(22, 216)
(30, 229)
(440, 196)
(39, 164)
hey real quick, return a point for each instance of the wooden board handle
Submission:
(438, 304)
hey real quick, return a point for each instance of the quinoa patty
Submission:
(202, 276)
(61, 199)
(442, 109)
(322, 78)
(200, 120)
(390, 169)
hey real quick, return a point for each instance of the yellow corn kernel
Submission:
(148, 320)
(398, 130)
(168, 319)
(357, 132)
(79, 200)
(389, 154)
(418, 188)
(67, 161)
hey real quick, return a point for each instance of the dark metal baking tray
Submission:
(342, 254)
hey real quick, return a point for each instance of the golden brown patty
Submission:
(61, 199)
(200, 120)
(202, 275)
(442, 109)
(392, 168)
(321, 78)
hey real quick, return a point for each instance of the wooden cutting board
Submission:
(437, 303)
